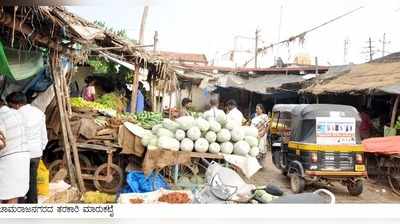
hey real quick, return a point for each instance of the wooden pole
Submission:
(394, 111)
(71, 137)
(59, 96)
(135, 83)
(155, 42)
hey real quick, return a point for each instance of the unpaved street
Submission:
(373, 192)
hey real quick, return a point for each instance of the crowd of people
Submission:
(23, 139)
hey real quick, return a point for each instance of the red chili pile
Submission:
(175, 198)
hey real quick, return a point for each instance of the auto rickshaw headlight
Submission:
(314, 157)
(359, 158)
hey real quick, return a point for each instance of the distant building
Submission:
(184, 58)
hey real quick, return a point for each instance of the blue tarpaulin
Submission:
(139, 183)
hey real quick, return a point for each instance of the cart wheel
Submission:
(84, 161)
(297, 183)
(355, 188)
(394, 179)
(54, 167)
(115, 182)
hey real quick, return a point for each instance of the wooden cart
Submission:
(107, 177)
(383, 160)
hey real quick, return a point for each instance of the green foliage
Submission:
(121, 33)
(398, 123)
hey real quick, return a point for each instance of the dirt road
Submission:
(374, 192)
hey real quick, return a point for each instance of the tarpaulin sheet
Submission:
(385, 145)
(18, 64)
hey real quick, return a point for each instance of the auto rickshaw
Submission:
(317, 143)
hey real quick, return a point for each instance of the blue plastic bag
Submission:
(139, 183)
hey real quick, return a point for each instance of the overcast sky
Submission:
(209, 26)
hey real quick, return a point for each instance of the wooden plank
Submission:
(92, 146)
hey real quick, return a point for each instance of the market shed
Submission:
(266, 84)
(372, 84)
(52, 42)
(369, 78)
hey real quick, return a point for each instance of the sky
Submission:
(210, 27)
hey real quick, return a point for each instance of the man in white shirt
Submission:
(234, 113)
(213, 112)
(36, 137)
(14, 158)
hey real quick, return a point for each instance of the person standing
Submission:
(186, 105)
(36, 137)
(260, 121)
(140, 98)
(234, 114)
(213, 112)
(89, 91)
(14, 158)
(366, 124)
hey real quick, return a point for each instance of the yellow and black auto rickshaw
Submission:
(317, 143)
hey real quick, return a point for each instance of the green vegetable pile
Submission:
(113, 101)
(79, 102)
(148, 119)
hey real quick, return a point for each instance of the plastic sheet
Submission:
(139, 183)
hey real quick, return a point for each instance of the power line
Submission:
(302, 35)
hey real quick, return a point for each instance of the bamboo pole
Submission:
(394, 111)
(70, 134)
(58, 93)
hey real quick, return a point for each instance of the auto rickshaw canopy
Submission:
(303, 118)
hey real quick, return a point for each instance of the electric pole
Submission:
(256, 49)
(370, 50)
(346, 50)
(384, 43)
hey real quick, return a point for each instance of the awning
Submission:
(123, 63)
(266, 84)
(19, 64)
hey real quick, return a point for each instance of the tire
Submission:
(297, 183)
(274, 190)
(108, 187)
(355, 188)
(54, 167)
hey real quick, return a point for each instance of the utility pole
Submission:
(135, 84)
(370, 49)
(256, 49)
(346, 50)
(384, 43)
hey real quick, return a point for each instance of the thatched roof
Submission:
(360, 79)
(56, 28)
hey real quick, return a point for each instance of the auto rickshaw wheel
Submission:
(356, 187)
(297, 183)
(114, 183)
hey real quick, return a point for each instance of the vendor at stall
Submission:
(139, 98)
(213, 112)
(186, 105)
(233, 113)
(89, 91)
